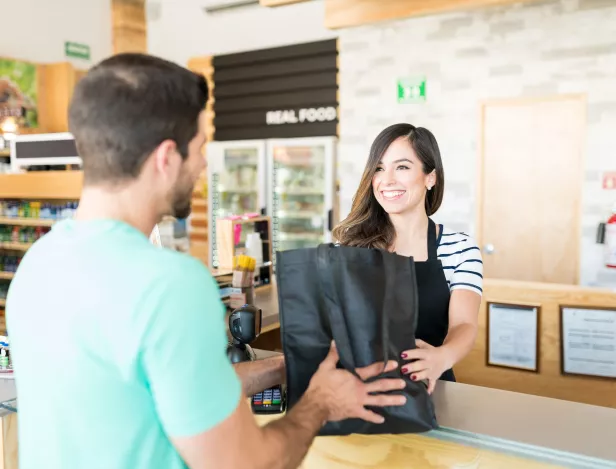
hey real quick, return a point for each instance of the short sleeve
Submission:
(468, 272)
(193, 383)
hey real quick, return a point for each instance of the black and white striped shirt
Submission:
(461, 260)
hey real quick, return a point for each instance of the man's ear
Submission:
(166, 157)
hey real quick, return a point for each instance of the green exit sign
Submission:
(76, 50)
(411, 90)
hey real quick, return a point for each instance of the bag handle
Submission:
(336, 318)
(389, 301)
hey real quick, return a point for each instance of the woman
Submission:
(402, 186)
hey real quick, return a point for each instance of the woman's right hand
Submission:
(345, 396)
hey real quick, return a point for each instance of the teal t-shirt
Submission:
(117, 345)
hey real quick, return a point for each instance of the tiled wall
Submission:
(546, 48)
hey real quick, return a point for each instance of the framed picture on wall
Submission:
(588, 341)
(513, 336)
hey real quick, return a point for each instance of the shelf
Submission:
(239, 190)
(299, 236)
(5, 153)
(299, 214)
(64, 185)
(6, 275)
(300, 191)
(15, 246)
(26, 221)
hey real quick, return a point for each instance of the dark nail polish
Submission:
(403, 355)
(404, 370)
(414, 378)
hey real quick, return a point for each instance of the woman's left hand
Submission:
(428, 362)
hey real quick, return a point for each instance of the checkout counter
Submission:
(482, 428)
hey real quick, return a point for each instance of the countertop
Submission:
(480, 427)
(500, 427)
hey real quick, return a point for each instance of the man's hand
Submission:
(345, 396)
(333, 394)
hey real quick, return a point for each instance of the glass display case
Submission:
(236, 182)
(301, 191)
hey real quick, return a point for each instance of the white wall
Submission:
(553, 47)
(181, 29)
(35, 30)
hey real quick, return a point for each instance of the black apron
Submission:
(433, 293)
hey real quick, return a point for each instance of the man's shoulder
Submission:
(173, 267)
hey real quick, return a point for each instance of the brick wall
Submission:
(552, 47)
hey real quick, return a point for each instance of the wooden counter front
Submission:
(549, 381)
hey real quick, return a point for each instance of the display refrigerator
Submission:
(290, 180)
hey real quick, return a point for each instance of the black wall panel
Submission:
(284, 92)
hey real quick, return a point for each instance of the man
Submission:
(119, 346)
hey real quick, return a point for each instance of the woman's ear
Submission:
(431, 180)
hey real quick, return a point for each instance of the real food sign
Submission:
(302, 115)
(285, 92)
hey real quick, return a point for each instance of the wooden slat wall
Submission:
(346, 13)
(549, 382)
(199, 219)
(129, 26)
(288, 78)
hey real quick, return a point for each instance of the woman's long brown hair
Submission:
(368, 225)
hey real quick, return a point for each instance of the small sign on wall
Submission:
(411, 90)
(609, 180)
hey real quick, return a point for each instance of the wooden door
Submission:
(531, 188)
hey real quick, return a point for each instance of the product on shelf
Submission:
(41, 210)
(21, 234)
(9, 263)
(4, 290)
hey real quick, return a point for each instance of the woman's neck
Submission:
(411, 233)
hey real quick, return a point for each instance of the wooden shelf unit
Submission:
(10, 246)
(43, 185)
(26, 221)
(50, 186)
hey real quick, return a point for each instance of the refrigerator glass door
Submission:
(302, 191)
(236, 182)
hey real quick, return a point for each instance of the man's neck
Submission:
(126, 204)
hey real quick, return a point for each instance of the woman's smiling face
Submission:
(399, 183)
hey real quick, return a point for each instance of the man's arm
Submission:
(261, 374)
(333, 394)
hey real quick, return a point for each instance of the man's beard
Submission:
(181, 203)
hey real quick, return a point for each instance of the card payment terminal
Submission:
(271, 401)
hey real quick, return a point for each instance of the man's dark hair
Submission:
(126, 106)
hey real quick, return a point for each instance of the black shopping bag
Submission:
(364, 299)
